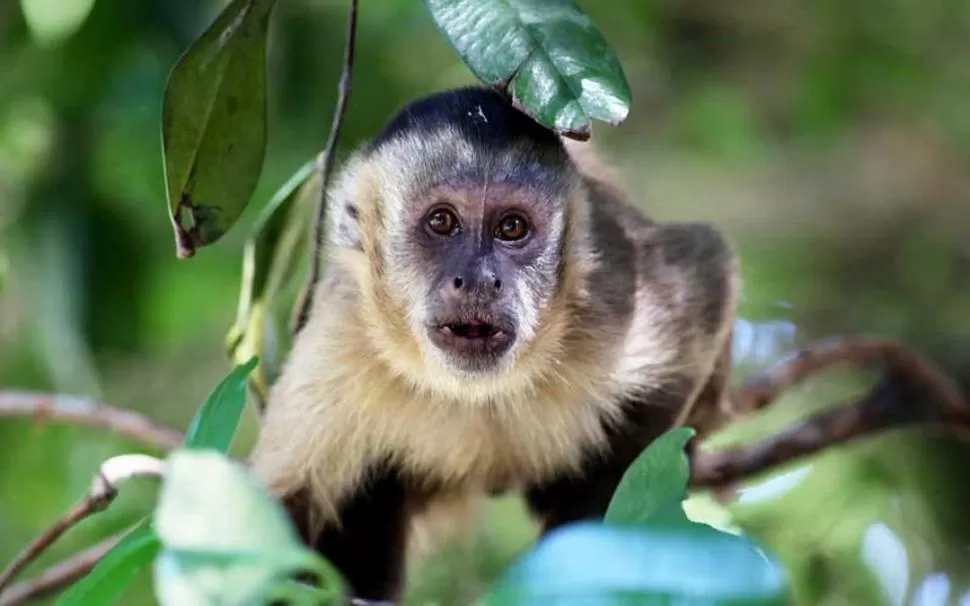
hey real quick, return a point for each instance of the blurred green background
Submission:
(830, 140)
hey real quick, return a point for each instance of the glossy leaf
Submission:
(215, 424)
(547, 54)
(593, 564)
(109, 578)
(214, 124)
(271, 254)
(225, 539)
(654, 487)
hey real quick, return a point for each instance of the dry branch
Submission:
(103, 491)
(325, 167)
(88, 413)
(59, 576)
(912, 392)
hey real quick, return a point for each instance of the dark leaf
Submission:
(214, 124)
(593, 564)
(109, 578)
(547, 54)
(655, 485)
(273, 251)
(215, 424)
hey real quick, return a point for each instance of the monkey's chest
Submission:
(496, 448)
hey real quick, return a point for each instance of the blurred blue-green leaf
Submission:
(215, 424)
(214, 124)
(225, 539)
(593, 564)
(548, 55)
(655, 485)
(115, 571)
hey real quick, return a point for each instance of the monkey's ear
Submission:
(347, 221)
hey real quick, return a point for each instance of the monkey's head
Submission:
(463, 208)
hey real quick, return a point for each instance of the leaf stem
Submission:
(325, 166)
(59, 576)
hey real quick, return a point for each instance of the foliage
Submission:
(213, 427)
(217, 537)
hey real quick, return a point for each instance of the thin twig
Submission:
(913, 392)
(325, 166)
(86, 412)
(104, 489)
(59, 576)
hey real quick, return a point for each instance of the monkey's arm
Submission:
(687, 277)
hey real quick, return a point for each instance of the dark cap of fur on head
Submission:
(480, 115)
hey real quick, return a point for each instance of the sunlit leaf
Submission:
(655, 485)
(547, 54)
(214, 124)
(594, 564)
(273, 251)
(109, 578)
(225, 539)
(51, 21)
(216, 422)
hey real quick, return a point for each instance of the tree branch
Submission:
(325, 166)
(59, 576)
(104, 489)
(86, 412)
(913, 391)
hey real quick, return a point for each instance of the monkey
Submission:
(495, 314)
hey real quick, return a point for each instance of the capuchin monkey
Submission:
(495, 315)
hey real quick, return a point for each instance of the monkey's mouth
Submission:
(476, 337)
(475, 329)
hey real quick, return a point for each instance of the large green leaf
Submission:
(547, 54)
(214, 124)
(225, 539)
(655, 485)
(273, 251)
(109, 578)
(595, 564)
(215, 424)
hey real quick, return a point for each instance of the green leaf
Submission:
(215, 424)
(116, 569)
(654, 487)
(225, 539)
(214, 124)
(547, 54)
(271, 254)
(593, 564)
(51, 21)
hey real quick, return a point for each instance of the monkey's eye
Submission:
(512, 227)
(442, 222)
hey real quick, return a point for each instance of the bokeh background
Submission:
(830, 140)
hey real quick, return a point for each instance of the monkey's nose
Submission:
(487, 281)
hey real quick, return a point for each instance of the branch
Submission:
(86, 412)
(104, 489)
(913, 392)
(59, 576)
(325, 166)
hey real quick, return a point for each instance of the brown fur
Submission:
(357, 388)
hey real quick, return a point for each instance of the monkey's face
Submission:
(489, 257)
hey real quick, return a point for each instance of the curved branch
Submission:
(325, 166)
(890, 406)
(59, 576)
(763, 388)
(88, 413)
(912, 392)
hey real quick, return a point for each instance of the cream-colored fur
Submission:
(359, 385)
